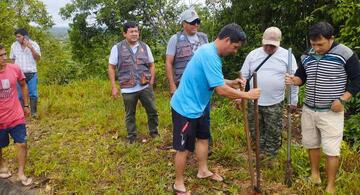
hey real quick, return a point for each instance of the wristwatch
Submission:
(342, 101)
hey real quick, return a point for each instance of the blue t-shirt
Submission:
(202, 74)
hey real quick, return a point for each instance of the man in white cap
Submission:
(181, 48)
(271, 77)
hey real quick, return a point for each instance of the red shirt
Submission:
(11, 112)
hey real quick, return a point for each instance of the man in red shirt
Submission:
(12, 115)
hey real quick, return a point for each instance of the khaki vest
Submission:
(132, 68)
(184, 52)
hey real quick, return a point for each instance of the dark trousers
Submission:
(146, 97)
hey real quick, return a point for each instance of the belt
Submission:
(316, 109)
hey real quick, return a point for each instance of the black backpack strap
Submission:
(263, 62)
(247, 87)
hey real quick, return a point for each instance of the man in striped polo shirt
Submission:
(326, 69)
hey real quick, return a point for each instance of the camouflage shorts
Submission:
(270, 122)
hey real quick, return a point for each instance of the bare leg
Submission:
(21, 156)
(180, 162)
(314, 156)
(332, 165)
(202, 156)
(2, 161)
(201, 150)
(3, 165)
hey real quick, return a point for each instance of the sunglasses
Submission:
(196, 21)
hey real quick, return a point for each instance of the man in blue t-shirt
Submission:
(201, 77)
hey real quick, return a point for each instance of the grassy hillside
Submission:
(78, 146)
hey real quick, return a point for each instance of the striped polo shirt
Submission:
(326, 76)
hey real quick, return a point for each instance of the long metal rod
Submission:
(288, 171)
(289, 102)
(257, 129)
(247, 135)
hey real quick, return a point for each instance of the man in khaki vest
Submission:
(134, 64)
(181, 48)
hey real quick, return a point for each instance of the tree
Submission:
(22, 13)
(347, 16)
(97, 27)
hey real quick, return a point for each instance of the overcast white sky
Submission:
(53, 7)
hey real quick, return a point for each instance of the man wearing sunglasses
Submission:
(181, 48)
(202, 77)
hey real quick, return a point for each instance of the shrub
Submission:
(352, 131)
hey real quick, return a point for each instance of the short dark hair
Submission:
(130, 24)
(234, 32)
(21, 31)
(321, 29)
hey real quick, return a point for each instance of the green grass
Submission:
(78, 143)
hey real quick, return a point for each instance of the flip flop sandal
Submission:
(5, 175)
(213, 176)
(179, 192)
(25, 181)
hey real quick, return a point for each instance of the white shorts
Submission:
(322, 128)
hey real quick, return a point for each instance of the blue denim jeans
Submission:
(32, 87)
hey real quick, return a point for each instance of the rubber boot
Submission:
(33, 106)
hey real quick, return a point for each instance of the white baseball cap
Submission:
(272, 36)
(189, 15)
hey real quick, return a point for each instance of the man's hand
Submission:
(242, 83)
(237, 83)
(289, 79)
(336, 106)
(115, 93)
(26, 111)
(28, 44)
(253, 94)
(172, 89)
